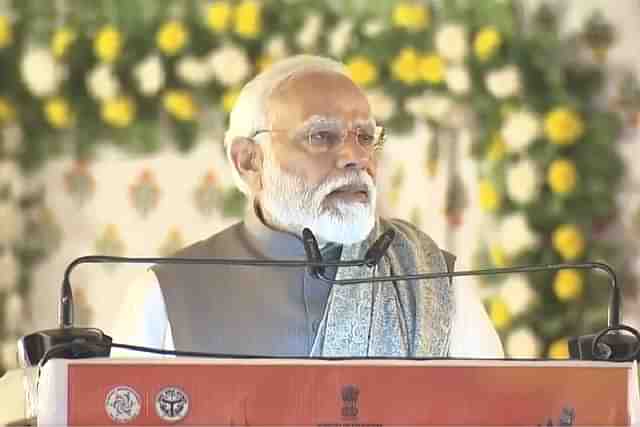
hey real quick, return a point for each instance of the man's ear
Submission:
(247, 158)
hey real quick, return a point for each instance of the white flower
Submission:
(230, 65)
(102, 83)
(458, 80)
(451, 42)
(523, 181)
(523, 343)
(193, 71)
(40, 72)
(14, 319)
(311, 30)
(12, 138)
(10, 269)
(150, 75)
(10, 177)
(382, 105)
(516, 293)
(430, 106)
(373, 27)
(520, 129)
(340, 38)
(9, 354)
(505, 82)
(515, 235)
(10, 222)
(277, 48)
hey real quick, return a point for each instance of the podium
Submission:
(153, 392)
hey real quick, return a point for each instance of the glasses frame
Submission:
(380, 136)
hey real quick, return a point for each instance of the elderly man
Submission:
(303, 148)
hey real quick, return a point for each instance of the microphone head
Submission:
(312, 251)
(618, 343)
(379, 247)
(65, 343)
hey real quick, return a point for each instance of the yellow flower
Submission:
(6, 32)
(489, 196)
(499, 313)
(7, 111)
(58, 113)
(248, 19)
(486, 43)
(219, 16)
(362, 71)
(405, 66)
(568, 241)
(61, 40)
(413, 17)
(180, 104)
(498, 256)
(568, 284)
(119, 111)
(497, 148)
(563, 126)
(229, 99)
(559, 349)
(172, 37)
(432, 68)
(108, 44)
(562, 176)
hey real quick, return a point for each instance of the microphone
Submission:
(617, 342)
(312, 251)
(379, 247)
(70, 342)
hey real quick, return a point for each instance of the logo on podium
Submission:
(350, 395)
(172, 404)
(122, 404)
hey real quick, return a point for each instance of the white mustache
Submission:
(355, 178)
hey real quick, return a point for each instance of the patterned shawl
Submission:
(389, 319)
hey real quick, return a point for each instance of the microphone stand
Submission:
(70, 342)
(617, 342)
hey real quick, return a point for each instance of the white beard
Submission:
(291, 204)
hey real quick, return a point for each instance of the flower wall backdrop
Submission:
(490, 87)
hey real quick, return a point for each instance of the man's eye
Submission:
(322, 137)
(365, 139)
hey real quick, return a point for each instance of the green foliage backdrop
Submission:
(77, 74)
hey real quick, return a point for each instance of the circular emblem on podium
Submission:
(172, 404)
(122, 404)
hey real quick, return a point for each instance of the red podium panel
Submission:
(308, 392)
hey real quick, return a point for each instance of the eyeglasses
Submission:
(324, 136)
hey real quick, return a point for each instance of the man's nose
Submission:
(353, 155)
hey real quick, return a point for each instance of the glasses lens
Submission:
(324, 135)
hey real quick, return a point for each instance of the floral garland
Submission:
(548, 167)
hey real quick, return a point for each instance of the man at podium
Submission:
(304, 148)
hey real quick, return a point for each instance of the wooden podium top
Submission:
(350, 392)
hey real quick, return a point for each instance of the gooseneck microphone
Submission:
(618, 342)
(312, 251)
(379, 247)
(71, 342)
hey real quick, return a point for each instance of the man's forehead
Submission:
(318, 93)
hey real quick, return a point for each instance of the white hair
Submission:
(249, 113)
